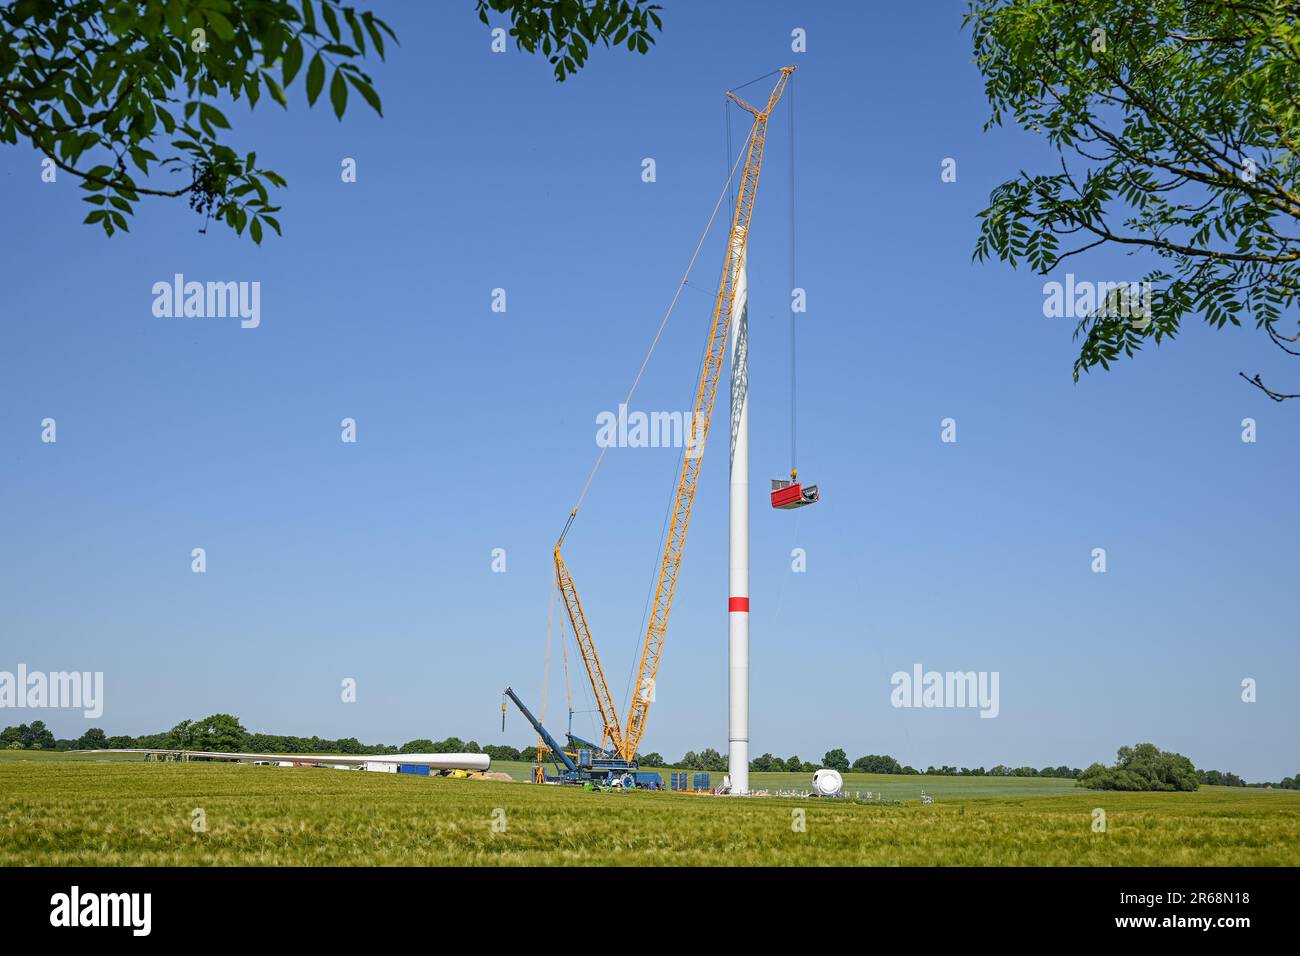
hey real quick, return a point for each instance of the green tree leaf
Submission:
(338, 93)
(315, 78)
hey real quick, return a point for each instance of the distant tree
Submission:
(472, 747)
(794, 765)
(93, 739)
(220, 732)
(1143, 767)
(766, 763)
(120, 742)
(182, 736)
(652, 759)
(712, 761)
(877, 763)
(267, 744)
(452, 745)
(502, 752)
(421, 745)
(39, 737)
(836, 759)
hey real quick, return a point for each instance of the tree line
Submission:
(1142, 767)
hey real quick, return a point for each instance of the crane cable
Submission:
(662, 324)
(546, 664)
(794, 460)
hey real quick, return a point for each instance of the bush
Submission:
(1144, 767)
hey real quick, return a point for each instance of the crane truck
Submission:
(584, 762)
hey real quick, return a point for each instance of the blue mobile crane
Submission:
(584, 762)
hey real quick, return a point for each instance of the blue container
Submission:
(649, 781)
(702, 782)
(419, 769)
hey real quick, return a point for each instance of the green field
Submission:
(60, 811)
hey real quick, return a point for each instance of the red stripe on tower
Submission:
(738, 604)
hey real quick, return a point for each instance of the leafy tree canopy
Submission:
(93, 739)
(836, 759)
(101, 87)
(1177, 124)
(1144, 767)
(130, 98)
(565, 30)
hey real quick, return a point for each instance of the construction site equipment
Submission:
(686, 782)
(436, 762)
(584, 762)
(624, 737)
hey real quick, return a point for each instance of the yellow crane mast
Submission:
(623, 742)
(590, 660)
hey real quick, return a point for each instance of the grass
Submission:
(111, 812)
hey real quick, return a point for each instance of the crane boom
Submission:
(707, 390)
(590, 660)
(624, 739)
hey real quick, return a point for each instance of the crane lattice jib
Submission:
(710, 374)
(595, 673)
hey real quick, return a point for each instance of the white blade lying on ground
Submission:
(434, 761)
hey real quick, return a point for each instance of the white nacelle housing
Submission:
(827, 783)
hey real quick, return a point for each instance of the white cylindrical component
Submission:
(738, 539)
(442, 761)
(827, 782)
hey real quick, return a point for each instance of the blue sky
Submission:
(476, 429)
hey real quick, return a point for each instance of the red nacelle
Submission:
(791, 494)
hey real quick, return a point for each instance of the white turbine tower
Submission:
(738, 539)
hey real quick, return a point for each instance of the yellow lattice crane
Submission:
(624, 738)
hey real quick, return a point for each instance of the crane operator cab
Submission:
(791, 494)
